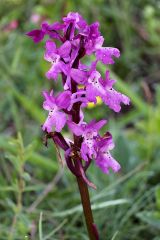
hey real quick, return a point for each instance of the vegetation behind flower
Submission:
(136, 205)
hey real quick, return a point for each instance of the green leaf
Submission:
(40, 227)
(150, 217)
(95, 206)
(158, 197)
(55, 230)
(30, 106)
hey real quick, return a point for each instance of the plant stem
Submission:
(85, 199)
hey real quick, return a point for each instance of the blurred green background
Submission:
(38, 198)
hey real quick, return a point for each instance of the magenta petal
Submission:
(97, 126)
(108, 82)
(65, 49)
(105, 54)
(60, 121)
(84, 152)
(54, 71)
(36, 35)
(44, 26)
(78, 76)
(56, 26)
(111, 97)
(106, 143)
(49, 124)
(50, 46)
(63, 100)
(49, 102)
(76, 19)
(91, 93)
(56, 121)
(114, 99)
(75, 128)
(106, 161)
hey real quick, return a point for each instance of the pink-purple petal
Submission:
(54, 71)
(36, 35)
(91, 93)
(106, 162)
(98, 125)
(79, 76)
(106, 54)
(84, 152)
(65, 49)
(60, 121)
(49, 100)
(75, 128)
(63, 100)
(113, 99)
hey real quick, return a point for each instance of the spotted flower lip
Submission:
(103, 159)
(113, 98)
(94, 88)
(106, 54)
(56, 118)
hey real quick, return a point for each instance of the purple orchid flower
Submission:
(96, 86)
(55, 56)
(93, 87)
(89, 132)
(81, 84)
(56, 118)
(75, 74)
(112, 98)
(37, 35)
(80, 76)
(62, 60)
(103, 88)
(78, 39)
(75, 21)
(103, 159)
(93, 39)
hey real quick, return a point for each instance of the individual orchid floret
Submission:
(90, 80)
(97, 87)
(55, 55)
(93, 39)
(56, 118)
(73, 21)
(76, 19)
(106, 54)
(112, 98)
(103, 159)
(93, 87)
(73, 74)
(37, 35)
(89, 132)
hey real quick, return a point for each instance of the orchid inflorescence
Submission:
(82, 84)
